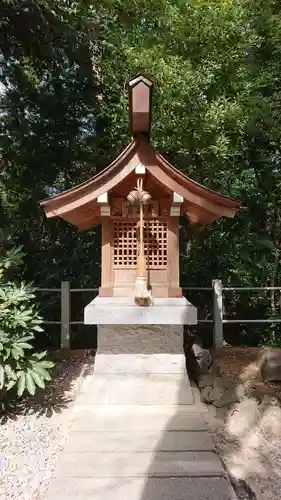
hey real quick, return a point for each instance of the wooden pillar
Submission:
(106, 288)
(173, 261)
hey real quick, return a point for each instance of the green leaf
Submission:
(30, 385)
(15, 353)
(37, 379)
(40, 355)
(10, 372)
(7, 354)
(26, 338)
(2, 377)
(38, 328)
(42, 372)
(10, 385)
(17, 350)
(21, 384)
(24, 345)
(46, 364)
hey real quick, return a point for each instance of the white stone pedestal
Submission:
(123, 311)
(140, 358)
(140, 365)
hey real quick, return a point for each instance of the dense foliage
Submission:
(21, 369)
(216, 116)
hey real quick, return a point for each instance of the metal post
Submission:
(218, 314)
(65, 315)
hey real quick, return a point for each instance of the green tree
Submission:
(21, 369)
(216, 70)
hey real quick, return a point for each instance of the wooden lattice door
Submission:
(125, 244)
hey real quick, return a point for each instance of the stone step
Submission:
(93, 419)
(133, 389)
(141, 363)
(179, 488)
(138, 464)
(87, 442)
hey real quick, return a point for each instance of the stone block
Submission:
(100, 390)
(140, 363)
(122, 310)
(150, 419)
(155, 389)
(140, 339)
(176, 488)
(89, 442)
(143, 464)
(137, 389)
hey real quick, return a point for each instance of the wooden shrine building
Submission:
(108, 199)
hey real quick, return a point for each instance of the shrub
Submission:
(21, 369)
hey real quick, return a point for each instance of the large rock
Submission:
(206, 395)
(203, 358)
(227, 398)
(206, 380)
(219, 388)
(198, 359)
(226, 394)
(270, 365)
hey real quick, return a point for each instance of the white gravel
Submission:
(29, 448)
(32, 438)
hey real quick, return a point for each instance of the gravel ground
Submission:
(29, 450)
(31, 437)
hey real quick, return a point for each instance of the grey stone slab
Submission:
(140, 363)
(211, 488)
(136, 389)
(138, 464)
(140, 339)
(153, 389)
(121, 310)
(95, 389)
(85, 442)
(96, 420)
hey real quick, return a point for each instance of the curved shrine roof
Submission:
(80, 205)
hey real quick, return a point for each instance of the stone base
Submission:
(123, 311)
(139, 365)
(132, 390)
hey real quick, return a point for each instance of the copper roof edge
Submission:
(231, 201)
(128, 149)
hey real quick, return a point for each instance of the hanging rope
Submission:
(140, 191)
(142, 295)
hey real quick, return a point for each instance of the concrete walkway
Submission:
(139, 436)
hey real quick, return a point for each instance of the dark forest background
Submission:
(216, 68)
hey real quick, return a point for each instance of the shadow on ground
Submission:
(183, 484)
(58, 394)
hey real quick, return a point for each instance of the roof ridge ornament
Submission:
(140, 104)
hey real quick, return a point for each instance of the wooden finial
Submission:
(140, 90)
